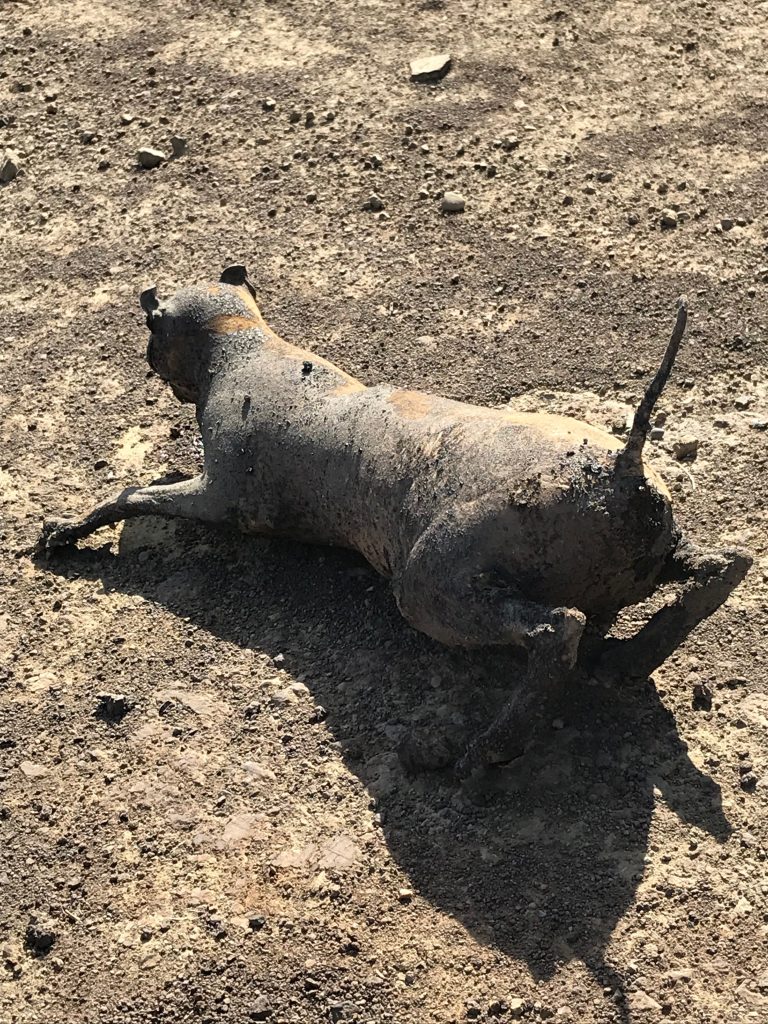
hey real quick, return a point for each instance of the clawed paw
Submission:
(56, 533)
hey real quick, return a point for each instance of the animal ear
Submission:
(150, 303)
(237, 275)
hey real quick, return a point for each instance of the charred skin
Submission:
(494, 527)
(296, 447)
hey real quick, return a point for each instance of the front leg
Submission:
(185, 499)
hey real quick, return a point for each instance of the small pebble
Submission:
(669, 218)
(178, 145)
(374, 203)
(39, 937)
(453, 202)
(742, 402)
(10, 166)
(127, 119)
(150, 158)
(268, 104)
(726, 224)
(685, 448)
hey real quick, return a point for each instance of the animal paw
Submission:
(57, 533)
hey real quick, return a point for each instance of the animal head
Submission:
(183, 327)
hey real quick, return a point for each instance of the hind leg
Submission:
(708, 578)
(467, 609)
(552, 647)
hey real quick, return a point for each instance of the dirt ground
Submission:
(235, 839)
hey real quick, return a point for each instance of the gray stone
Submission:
(150, 158)
(10, 166)
(453, 202)
(178, 145)
(669, 218)
(686, 448)
(430, 69)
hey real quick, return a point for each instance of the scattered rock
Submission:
(748, 781)
(87, 137)
(685, 448)
(453, 202)
(702, 697)
(742, 402)
(516, 1007)
(430, 69)
(30, 770)
(642, 1001)
(113, 707)
(178, 145)
(374, 203)
(759, 424)
(150, 158)
(127, 119)
(10, 166)
(726, 224)
(405, 895)
(657, 433)
(268, 104)
(258, 772)
(669, 218)
(604, 176)
(260, 1009)
(39, 937)
(283, 697)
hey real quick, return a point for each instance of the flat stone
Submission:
(30, 770)
(150, 158)
(430, 69)
(453, 202)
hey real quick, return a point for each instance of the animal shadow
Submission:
(546, 859)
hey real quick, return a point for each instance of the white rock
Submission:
(430, 68)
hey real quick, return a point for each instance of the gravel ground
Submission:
(203, 816)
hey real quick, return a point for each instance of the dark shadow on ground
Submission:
(548, 866)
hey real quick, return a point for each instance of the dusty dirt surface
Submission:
(203, 816)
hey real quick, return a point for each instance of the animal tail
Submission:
(641, 425)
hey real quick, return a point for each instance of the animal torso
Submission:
(296, 447)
